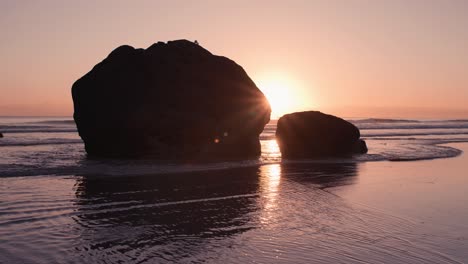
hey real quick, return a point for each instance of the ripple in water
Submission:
(271, 213)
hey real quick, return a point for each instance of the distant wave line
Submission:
(38, 131)
(52, 122)
(465, 126)
(412, 134)
(14, 144)
(383, 120)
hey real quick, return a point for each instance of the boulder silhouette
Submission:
(173, 100)
(313, 134)
(1, 135)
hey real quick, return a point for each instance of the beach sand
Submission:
(431, 194)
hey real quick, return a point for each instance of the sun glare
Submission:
(279, 93)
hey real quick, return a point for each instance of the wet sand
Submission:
(375, 212)
(431, 194)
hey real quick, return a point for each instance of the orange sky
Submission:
(351, 58)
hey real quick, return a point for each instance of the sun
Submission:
(279, 92)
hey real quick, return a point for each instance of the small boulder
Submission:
(313, 134)
(1, 135)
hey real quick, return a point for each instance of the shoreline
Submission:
(148, 167)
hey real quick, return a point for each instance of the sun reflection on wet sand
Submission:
(270, 178)
(270, 150)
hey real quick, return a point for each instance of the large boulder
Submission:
(313, 134)
(173, 100)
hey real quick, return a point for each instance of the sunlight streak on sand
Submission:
(270, 181)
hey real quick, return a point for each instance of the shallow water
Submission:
(56, 206)
(268, 214)
(51, 146)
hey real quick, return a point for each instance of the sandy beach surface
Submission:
(430, 194)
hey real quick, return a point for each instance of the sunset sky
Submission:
(404, 59)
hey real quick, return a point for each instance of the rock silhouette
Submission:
(313, 134)
(1, 135)
(173, 100)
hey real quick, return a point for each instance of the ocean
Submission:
(57, 206)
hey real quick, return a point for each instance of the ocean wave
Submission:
(55, 122)
(435, 152)
(418, 126)
(454, 120)
(41, 130)
(269, 130)
(442, 141)
(411, 134)
(5, 127)
(113, 167)
(267, 137)
(383, 120)
(39, 143)
(23, 170)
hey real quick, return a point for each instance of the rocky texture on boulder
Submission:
(173, 100)
(314, 134)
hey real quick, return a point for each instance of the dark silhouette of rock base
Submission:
(314, 134)
(172, 100)
(1, 135)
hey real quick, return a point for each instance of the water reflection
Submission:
(270, 178)
(270, 150)
(175, 217)
(322, 175)
(166, 217)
